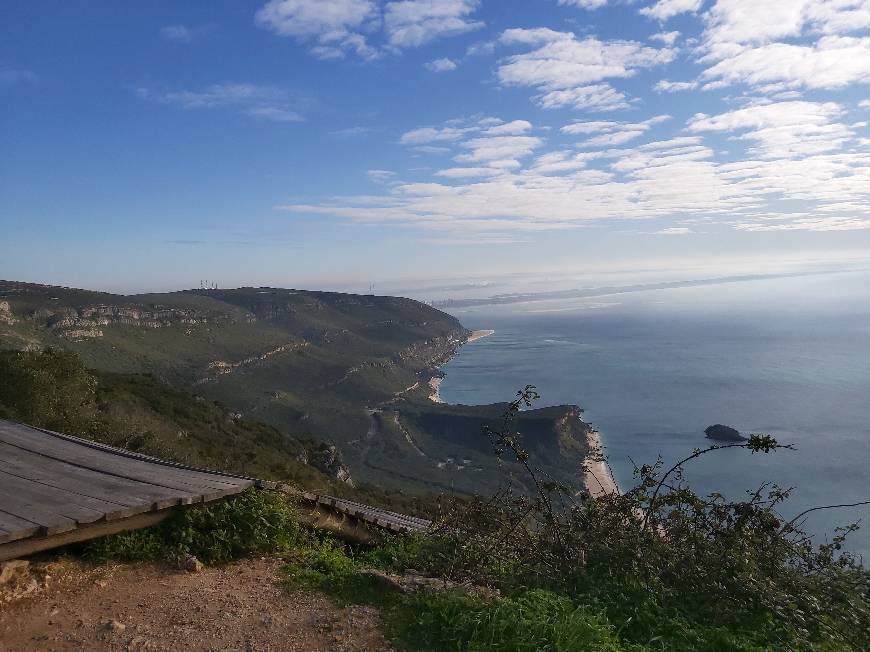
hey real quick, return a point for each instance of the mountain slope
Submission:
(338, 368)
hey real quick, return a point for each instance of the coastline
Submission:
(434, 392)
(435, 380)
(597, 476)
(479, 335)
(598, 479)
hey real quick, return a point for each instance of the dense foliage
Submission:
(254, 522)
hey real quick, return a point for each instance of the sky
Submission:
(349, 143)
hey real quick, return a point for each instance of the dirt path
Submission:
(239, 607)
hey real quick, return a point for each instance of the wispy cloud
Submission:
(441, 65)
(367, 28)
(570, 71)
(264, 102)
(666, 9)
(177, 33)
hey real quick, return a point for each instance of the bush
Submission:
(254, 522)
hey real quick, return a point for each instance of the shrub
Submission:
(254, 522)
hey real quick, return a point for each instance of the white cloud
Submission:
(569, 71)
(864, 104)
(178, 33)
(16, 75)
(380, 176)
(597, 97)
(410, 23)
(832, 62)
(782, 129)
(265, 102)
(336, 27)
(441, 65)
(797, 152)
(612, 133)
(668, 38)
(583, 4)
(467, 173)
(665, 86)
(331, 24)
(425, 135)
(498, 148)
(665, 9)
(818, 224)
(740, 21)
(481, 48)
(674, 230)
(513, 128)
(798, 44)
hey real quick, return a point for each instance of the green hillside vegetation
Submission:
(656, 568)
(341, 369)
(52, 389)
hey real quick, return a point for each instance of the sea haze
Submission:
(785, 356)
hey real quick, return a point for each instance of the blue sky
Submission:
(338, 143)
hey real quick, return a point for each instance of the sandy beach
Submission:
(434, 394)
(597, 478)
(479, 335)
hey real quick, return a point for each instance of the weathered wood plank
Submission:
(69, 477)
(14, 527)
(31, 545)
(80, 508)
(112, 464)
(49, 522)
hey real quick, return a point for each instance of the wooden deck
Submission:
(57, 489)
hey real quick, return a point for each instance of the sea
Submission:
(786, 355)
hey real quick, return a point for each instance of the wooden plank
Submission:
(13, 527)
(147, 458)
(111, 464)
(82, 509)
(29, 546)
(49, 522)
(124, 491)
(39, 440)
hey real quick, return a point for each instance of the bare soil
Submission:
(70, 605)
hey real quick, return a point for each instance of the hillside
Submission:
(343, 369)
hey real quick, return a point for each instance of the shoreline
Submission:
(478, 335)
(597, 479)
(435, 381)
(597, 476)
(434, 392)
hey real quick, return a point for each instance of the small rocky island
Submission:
(723, 433)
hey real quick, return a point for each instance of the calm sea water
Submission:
(789, 357)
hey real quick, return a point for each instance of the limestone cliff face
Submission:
(327, 459)
(6, 316)
(88, 321)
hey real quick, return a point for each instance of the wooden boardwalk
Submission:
(57, 489)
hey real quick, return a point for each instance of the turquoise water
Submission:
(789, 357)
